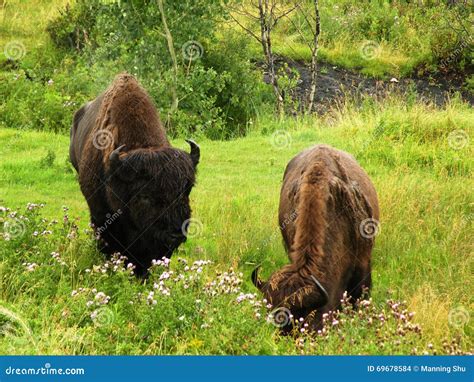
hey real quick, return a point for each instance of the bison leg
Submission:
(360, 282)
(107, 229)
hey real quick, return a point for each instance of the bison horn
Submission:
(195, 151)
(255, 279)
(323, 291)
(114, 156)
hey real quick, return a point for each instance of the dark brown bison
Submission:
(136, 185)
(328, 218)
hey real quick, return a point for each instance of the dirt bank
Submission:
(336, 82)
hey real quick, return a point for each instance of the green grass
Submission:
(24, 22)
(387, 61)
(423, 254)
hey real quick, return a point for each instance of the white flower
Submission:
(30, 267)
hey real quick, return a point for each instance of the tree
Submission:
(169, 40)
(266, 13)
(312, 22)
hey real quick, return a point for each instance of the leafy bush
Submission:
(74, 26)
(48, 159)
(42, 105)
(243, 91)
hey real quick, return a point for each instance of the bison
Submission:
(136, 184)
(328, 217)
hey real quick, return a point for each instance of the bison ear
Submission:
(195, 152)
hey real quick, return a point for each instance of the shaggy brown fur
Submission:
(127, 168)
(331, 196)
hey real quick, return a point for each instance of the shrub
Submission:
(48, 159)
(42, 105)
(73, 28)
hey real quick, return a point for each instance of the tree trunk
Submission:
(265, 31)
(314, 58)
(169, 39)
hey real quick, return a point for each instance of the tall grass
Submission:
(25, 20)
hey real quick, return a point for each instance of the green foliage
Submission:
(287, 80)
(215, 87)
(42, 105)
(218, 89)
(71, 30)
(243, 92)
(470, 84)
(48, 160)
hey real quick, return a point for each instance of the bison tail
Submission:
(311, 221)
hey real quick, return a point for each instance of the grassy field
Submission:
(420, 161)
(59, 295)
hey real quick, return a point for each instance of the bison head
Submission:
(293, 291)
(151, 187)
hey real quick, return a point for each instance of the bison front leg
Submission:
(106, 238)
(360, 282)
(106, 224)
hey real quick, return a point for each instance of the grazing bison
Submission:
(328, 215)
(136, 185)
